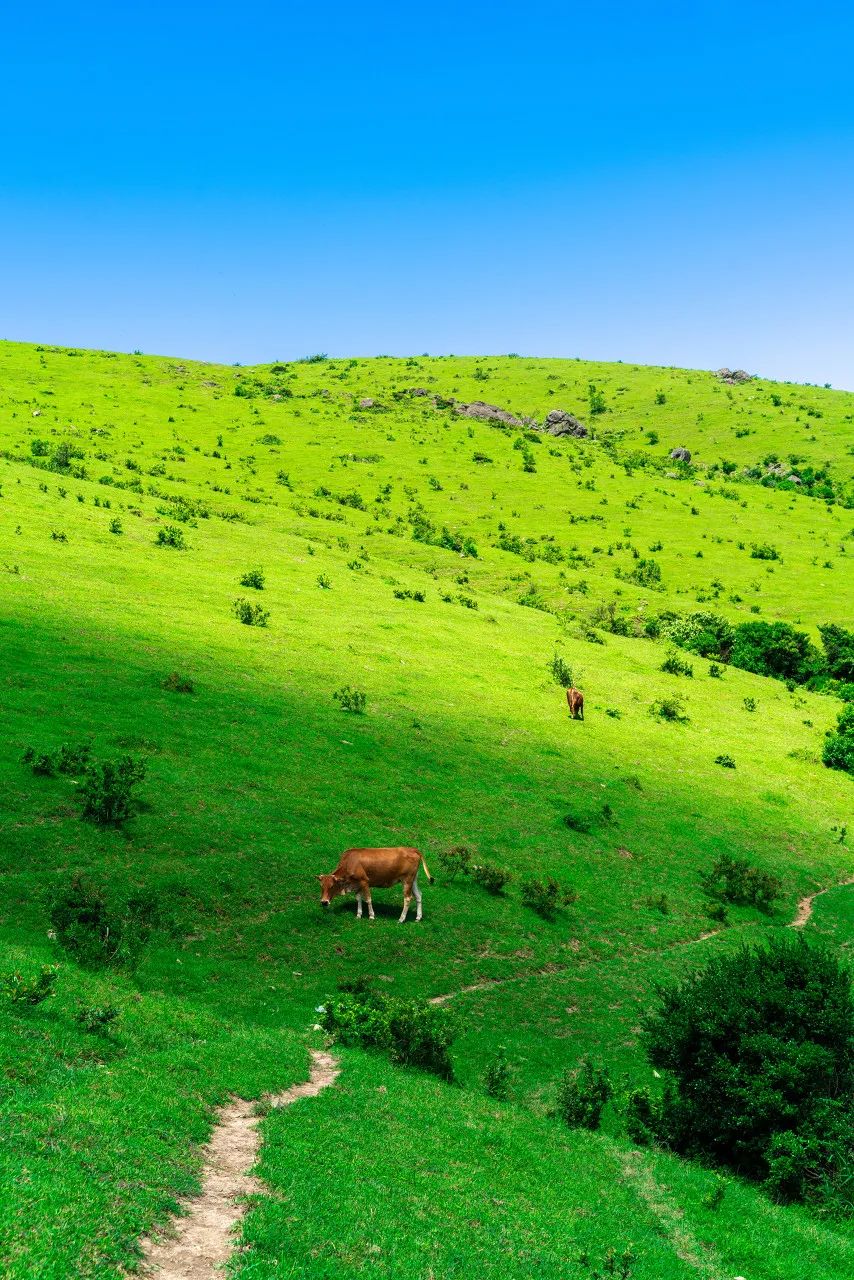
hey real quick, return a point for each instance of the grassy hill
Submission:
(522, 546)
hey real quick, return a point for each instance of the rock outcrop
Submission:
(681, 454)
(560, 423)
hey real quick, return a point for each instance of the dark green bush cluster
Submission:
(546, 897)
(456, 861)
(838, 750)
(98, 933)
(403, 593)
(29, 989)
(671, 708)
(107, 789)
(764, 551)
(582, 1095)
(676, 666)
(352, 700)
(758, 1051)
(735, 880)
(493, 879)
(69, 759)
(97, 1019)
(249, 613)
(171, 536)
(253, 578)
(726, 761)
(412, 1032)
(496, 1077)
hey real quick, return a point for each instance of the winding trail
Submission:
(202, 1241)
(805, 905)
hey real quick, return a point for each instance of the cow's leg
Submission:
(358, 905)
(366, 894)
(417, 893)
(407, 898)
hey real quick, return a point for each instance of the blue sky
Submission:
(665, 183)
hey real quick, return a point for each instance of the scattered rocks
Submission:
(560, 423)
(418, 391)
(367, 403)
(734, 375)
(681, 454)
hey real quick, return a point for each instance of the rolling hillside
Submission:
(436, 561)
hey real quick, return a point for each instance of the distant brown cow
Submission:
(360, 870)
(575, 698)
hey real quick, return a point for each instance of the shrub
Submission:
(171, 536)
(561, 672)
(676, 666)
(413, 1033)
(496, 1077)
(706, 634)
(775, 649)
(107, 789)
(456, 861)
(735, 880)
(546, 898)
(96, 1019)
(596, 399)
(116, 525)
(582, 1095)
(253, 578)
(758, 1051)
(749, 704)
(725, 761)
(492, 879)
(176, 683)
(577, 822)
(249, 613)
(353, 700)
(659, 902)
(97, 934)
(30, 990)
(715, 671)
(405, 594)
(763, 551)
(68, 759)
(838, 647)
(324, 582)
(838, 750)
(672, 709)
(646, 573)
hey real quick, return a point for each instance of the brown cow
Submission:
(575, 698)
(360, 870)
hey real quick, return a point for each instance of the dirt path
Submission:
(804, 910)
(203, 1240)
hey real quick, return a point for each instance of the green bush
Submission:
(253, 578)
(107, 789)
(455, 861)
(68, 759)
(758, 1051)
(352, 700)
(96, 1019)
(31, 989)
(496, 1077)
(545, 897)
(838, 750)
(838, 647)
(171, 536)
(492, 879)
(672, 709)
(676, 666)
(97, 933)
(775, 649)
(725, 760)
(582, 1095)
(735, 880)
(251, 615)
(561, 672)
(413, 1033)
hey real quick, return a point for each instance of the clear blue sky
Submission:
(670, 183)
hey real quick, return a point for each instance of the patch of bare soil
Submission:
(202, 1241)
(804, 910)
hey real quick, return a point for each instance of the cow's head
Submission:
(330, 887)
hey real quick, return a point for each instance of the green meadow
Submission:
(436, 563)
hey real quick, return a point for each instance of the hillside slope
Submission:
(522, 545)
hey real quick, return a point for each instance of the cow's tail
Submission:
(430, 879)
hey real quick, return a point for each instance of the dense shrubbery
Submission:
(107, 789)
(253, 578)
(29, 989)
(838, 751)
(775, 649)
(758, 1048)
(735, 880)
(251, 615)
(412, 1032)
(545, 897)
(582, 1095)
(67, 759)
(97, 933)
(352, 700)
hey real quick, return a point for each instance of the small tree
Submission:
(107, 789)
(582, 1095)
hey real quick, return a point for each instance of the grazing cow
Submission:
(360, 870)
(575, 698)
